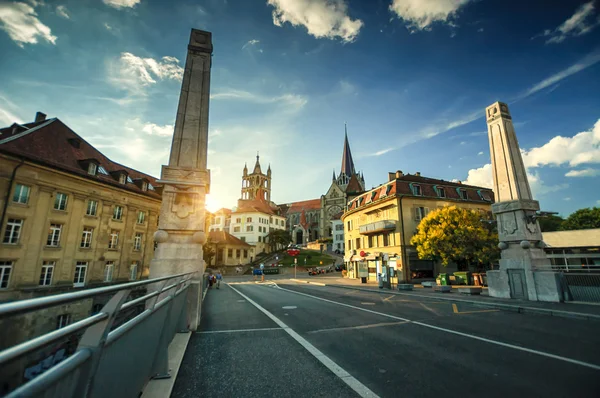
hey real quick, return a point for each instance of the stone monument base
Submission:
(547, 285)
(537, 285)
(498, 285)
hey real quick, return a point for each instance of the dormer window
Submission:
(463, 194)
(441, 192)
(417, 190)
(92, 169)
(122, 178)
(144, 186)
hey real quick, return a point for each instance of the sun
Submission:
(212, 204)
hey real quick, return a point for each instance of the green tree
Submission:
(208, 251)
(457, 235)
(278, 238)
(582, 219)
(550, 223)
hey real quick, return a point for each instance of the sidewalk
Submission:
(567, 309)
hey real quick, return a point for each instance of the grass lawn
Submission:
(313, 258)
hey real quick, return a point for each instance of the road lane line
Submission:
(373, 325)
(429, 309)
(454, 308)
(353, 383)
(237, 330)
(508, 345)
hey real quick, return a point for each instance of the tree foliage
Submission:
(457, 235)
(278, 238)
(582, 219)
(208, 251)
(550, 223)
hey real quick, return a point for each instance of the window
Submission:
(102, 170)
(129, 180)
(80, 271)
(137, 241)
(238, 220)
(238, 253)
(339, 227)
(63, 320)
(47, 271)
(370, 239)
(5, 268)
(463, 194)
(358, 243)
(117, 213)
(141, 217)
(259, 239)
(86, 237)
(349, 226)
(417, 190)
(442, 192)
(229, 253)
(249, 228)
(13, 231)
(217, 220)
(133, 270)
(349, 243)
(236, 229)
(60, 201)
(122, 178)
(92, 207)
(92, 168)
(108, 271)
(249, 219)
(388, 189)
(21, 194)
(386, 239)
(114, 239)
(245, 253)
(243, 238)
(144, 186)
(420, 213)
(54, 235)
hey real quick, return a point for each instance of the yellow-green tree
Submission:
(457, 235)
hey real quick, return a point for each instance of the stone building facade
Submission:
(379, 224)
(71, 219)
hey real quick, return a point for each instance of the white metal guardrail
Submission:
(107, 363)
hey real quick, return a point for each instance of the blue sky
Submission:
(410, 77)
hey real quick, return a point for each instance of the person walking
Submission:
(219, 278)
(262, 272)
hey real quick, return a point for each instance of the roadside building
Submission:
(229, 250)
(71, 219)
(252, 221)
(379, 223)
(220, 220)
(573, 251)
(337, 226)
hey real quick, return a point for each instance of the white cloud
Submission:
(584, 63)
(589, 172)
(250, 43)
(7, 115)
(133, 73)
(121, 3)
(480, 153)
(421, 14)
(21, 23)
(322, 18)
(381, 152)
(580, 23)
(582, 148)
(62, 11)
(162, 131)
(292, 100)
(567, 199)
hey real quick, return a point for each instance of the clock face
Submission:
(333, 210)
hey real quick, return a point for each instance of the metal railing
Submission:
(107, 363)
(584, 287)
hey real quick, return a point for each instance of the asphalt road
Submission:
(391, 346)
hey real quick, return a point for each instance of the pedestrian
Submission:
(262, 272)
(210, 281)
(219, 278)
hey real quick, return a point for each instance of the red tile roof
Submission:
(47, 143)
(305, 205)
(402, 186)
(354, 185)
(254, 205)
(225, 238)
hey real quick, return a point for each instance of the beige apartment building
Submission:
(379, 224)
(71, 219)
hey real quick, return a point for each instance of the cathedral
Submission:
(310, 220)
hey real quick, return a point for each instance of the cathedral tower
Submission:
(256, 185)
(348, 171)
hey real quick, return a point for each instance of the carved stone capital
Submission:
(514, 205)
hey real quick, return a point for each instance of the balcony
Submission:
(378, 226)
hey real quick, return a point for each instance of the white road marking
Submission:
(237, 330)
(368, 303)
(373, 325)
(289, 307)
(346, 377)
(515, 347)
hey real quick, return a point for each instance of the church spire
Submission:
(257, 165)
(333, 179)
(347, 162)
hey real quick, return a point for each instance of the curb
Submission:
(507, 307)
(309, 282)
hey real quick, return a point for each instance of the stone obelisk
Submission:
(524, 268)
(185, 180)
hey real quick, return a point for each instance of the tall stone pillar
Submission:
(185, 180)
(524, 268)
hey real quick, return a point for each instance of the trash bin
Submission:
(463, 277)
(477, 279)
(444, 279)
(363, 279)
(484, 279)
(380, 281)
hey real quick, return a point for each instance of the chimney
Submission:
(391, 176)
(418, 174)
(40, 117)
(399, 174)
